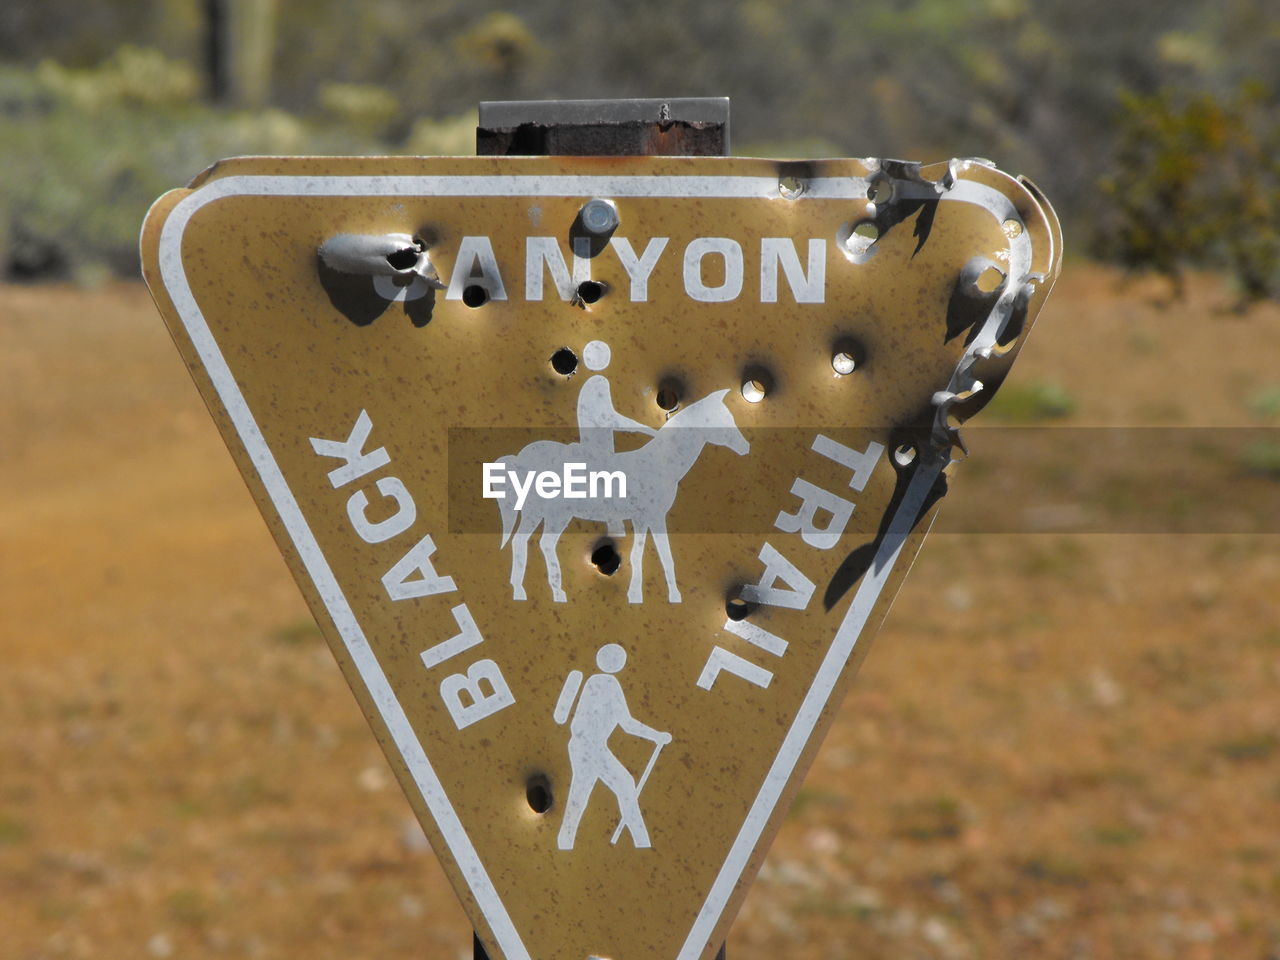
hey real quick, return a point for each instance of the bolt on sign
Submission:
(720, 397)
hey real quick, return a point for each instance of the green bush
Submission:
(1197, 182)
(361, 105)
(87, 151)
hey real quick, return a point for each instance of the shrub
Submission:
(87, 151)
(361, 105)
(1197, 181)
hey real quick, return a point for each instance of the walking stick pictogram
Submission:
(657, 749)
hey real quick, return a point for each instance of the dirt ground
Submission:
(1063, 745)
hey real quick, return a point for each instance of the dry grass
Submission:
(1062, 747)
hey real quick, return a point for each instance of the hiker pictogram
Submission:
(650, 475)
(601, 709)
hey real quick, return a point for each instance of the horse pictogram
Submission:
(653, 473)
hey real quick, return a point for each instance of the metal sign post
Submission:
(598, 474)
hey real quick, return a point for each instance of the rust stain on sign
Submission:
(722, 403)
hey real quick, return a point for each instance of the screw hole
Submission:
(564, 361)
(844, 363)
(538, 793)
(475, 295)
(606, 558)
(1012, 229)
(753, 391)
(904, 455)
(735, 608)
(867, 230)
(590, 291)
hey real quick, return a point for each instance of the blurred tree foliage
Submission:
(86, 151)
(1198, 182)
(1068, 92)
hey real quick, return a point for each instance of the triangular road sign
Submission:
(424, 367)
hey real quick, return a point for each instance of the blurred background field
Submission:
(1152, 126)
(1064, 745)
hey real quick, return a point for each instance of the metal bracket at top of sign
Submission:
(679, 127)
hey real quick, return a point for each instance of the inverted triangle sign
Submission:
(598, 508)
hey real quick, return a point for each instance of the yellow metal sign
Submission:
(718, 397)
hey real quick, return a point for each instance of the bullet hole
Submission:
(757, 383)
(475, 295)
(989, 280)
(405, 259)
(538, 793)
(590, 291)
(857, 240)
(606, 559)
(564, 361)
(669, 393)
(791, 188)
(735, 608)
(880, 191)
(847, 355)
